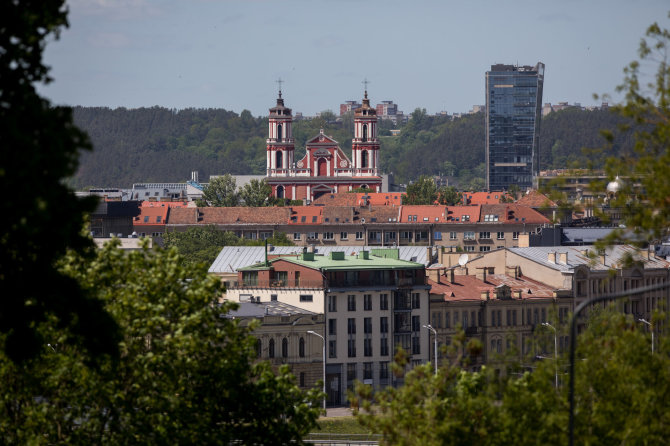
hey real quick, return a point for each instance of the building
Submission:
(513, 114)
(349, 106)
(371, 302)
(153, 217)
(113, 218)
(282, 337)
(325, 169)
(389, 110)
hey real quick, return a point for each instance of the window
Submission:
(332, 327)
(416, 323)
(384, 324)
(332, 304)
(259, 347)
(490, 217)
(281, 278)
(146, 219)
(515, 236)
(383, 301)
(271, 349)
(416, 301)
(367, 325)
(301, 347)
(437, 235)
(359, 235)
(297, 236)
(367, 347)
(406, 235)
(469, 248)
(297, 278)
(313, 236)
(302, 379)
(250, 278)
(351, 371)
(332, 349)
(351, 302)
(383, 370)
(351, 348)
(158, 219)
(306, 298)
(484, 248)
(501, 236)
(351, 325)
(485, 235)
(447, 320)
(367, 371)
(284, 348)
(384, 347)
(344, 235)
(453, 235)
(328, 236)
(367, 302)
(416, 345)
(469, 235)
(303, 219)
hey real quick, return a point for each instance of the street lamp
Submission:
(312, 332)
(430, 327)
(547, 324)
(651, 327)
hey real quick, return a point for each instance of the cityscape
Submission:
(198, 274)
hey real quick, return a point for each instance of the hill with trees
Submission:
(163, 145)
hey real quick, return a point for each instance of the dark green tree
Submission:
(422, 191)
(449, 196)
(257, 193)
(40, 149)
(220, 192)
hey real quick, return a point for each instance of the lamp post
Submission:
(547, 324)
(430, 327)
(651, 327)
(312, 332)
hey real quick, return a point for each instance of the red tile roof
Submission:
(151, 216)
(230, 215)
(306, 215)
(512, 213)
(356, 199)
(535, 199)
(468, 288)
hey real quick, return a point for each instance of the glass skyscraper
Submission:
(513, 112)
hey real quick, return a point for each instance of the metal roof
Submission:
(231, 258)
(584, 235)
(576, 257)
(274, 308)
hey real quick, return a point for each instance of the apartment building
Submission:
(371, 302)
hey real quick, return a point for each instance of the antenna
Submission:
(463, 259)
(279, 82)
(366, 82)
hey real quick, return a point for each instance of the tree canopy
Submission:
(40, 149)
(187, 373)
(221, 191)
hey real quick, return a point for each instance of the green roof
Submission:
(358, 262)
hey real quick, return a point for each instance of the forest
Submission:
(158, 144)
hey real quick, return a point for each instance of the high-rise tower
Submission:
(513, 112)
(365, 146)
(280, 146)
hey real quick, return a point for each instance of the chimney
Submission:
(450, 275)
(563, 257)
(602, 259)
(524, 240)
(485, 295)
(551, 257)
(481, 273)
(433, 274)
(429, 255)
(512, 271)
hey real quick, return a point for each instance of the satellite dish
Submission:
(463, 259)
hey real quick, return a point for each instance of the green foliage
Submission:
(644, 170)
(201, 245)
(361, 190)
(449, 196)
(40, 147)
(186, 374)
(621, 395)
(422, 191)
(257, 193)
(221, 192)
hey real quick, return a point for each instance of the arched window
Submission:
(271, 349)
(301, 348)
(279, 158)
(259, 347)
(365, 132)
(284, 348)
(279, 130)
(280, 191)
(364, 158)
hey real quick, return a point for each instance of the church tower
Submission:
(280, 139)
(365, 145)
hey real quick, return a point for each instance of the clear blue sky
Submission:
(431, 54)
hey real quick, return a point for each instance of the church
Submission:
(325, 169)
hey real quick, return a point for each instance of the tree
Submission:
(449, 196)
(645, 171)
(186, 376)
(220, 192)
(40, 148)
(422, 191)
(257, 193)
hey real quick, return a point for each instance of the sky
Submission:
(420, 54)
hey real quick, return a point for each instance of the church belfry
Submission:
(280, 146)
(365, 146)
